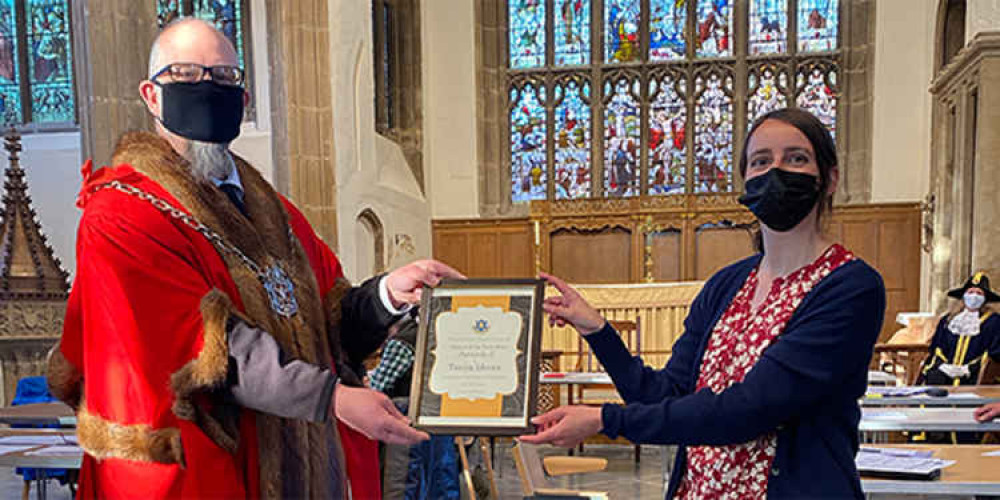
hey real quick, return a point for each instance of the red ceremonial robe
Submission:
(144, 356)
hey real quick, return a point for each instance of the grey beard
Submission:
(209, 160)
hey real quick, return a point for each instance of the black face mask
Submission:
(781, 199)
(202, 111)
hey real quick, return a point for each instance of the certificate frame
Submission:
(453, 398)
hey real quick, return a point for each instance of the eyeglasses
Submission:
(192, 72)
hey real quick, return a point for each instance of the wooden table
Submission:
(574, 378)
(972, 474)
(38, 414)
(70, 460)
(988, 394)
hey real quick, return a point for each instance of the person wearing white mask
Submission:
(965, 337)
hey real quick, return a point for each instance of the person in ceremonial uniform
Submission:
(212, 346)
(761, 390)
(966, 337)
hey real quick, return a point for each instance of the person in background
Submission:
(965, 337)
(988, 412)
(761, 391)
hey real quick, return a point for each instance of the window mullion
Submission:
(24, 73)
(741, 32)
(597, 98)
(642, 169)
(691, 22)
(548, 83)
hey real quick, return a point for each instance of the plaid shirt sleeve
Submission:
(397, 358)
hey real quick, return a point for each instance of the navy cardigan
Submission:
(805, 386)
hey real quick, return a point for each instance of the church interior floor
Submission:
(623, 479)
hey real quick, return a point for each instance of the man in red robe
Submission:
(212, 346)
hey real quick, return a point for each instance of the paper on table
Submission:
(992, 453)
(5, 449)
(899, 452)
(38, 440)
(884, 415)
(896, 392)
(56, 450)
(886, 462)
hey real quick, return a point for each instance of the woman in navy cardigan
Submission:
(761, 391)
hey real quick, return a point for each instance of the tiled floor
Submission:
(623, 478)
(11, 487)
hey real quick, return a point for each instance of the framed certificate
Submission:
(478, 352)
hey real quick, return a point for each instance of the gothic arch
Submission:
(369, 222)
(949, 32)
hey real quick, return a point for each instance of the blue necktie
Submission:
(235, 195)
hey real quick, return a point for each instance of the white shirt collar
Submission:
(234, 176)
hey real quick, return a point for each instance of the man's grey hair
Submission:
(156, 62)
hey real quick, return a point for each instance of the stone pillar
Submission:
(302, 110)
(965, 170)
(111, 41)
(858, 39)
(980, 16)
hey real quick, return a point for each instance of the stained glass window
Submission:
(818, 21)
(572, 139)
(36, 63)
(636, 97)
(10, 90)
(226, 15)
(816, 93)
(713, 134)
(621, 137)
(167, 11)
(621, 30)
(768, 88)
(714, 33)
(667, 25)
(527, 139)
(50, 61)
(527, 33)
(667, 126)
(768, 26)
(572, 32)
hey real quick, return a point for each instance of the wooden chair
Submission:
(631, 333)
(901, 360)
(990, 373)
(534, 472)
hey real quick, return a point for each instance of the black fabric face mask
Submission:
(202, 111)
(781, 199)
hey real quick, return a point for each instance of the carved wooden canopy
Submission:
(29, 270)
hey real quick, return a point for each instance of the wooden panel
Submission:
(452, 249)
(861, 237)
(486, 248)
(716, 248)
(887, 236)
(516, 254)
(483, 255)
(592, 256)
(666, 255)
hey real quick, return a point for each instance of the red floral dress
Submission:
(741, 470)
